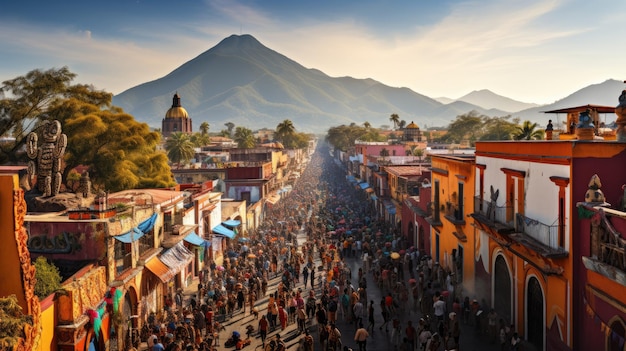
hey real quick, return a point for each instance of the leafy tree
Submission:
(120, 153)
(48, 277)
(343, 137)
(468, 126)
(528, 131)
(199, 139)
(230, 126)
(204, 128)
(12, 324)
(367, 125)
(179, 148)
(402, 124)
(395, 119)
(224, 133)
(244, 138)
(499, 128)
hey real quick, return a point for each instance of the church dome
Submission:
(177, 110)
(412, 125)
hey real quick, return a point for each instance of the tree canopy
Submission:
(119, 152)
(180, 148)
(342, 137)
(528, 131)
(244, 138)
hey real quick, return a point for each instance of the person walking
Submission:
(370, 317)
(263, 326)
(360, 336)
(305, 275)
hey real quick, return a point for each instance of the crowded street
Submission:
(323, 272)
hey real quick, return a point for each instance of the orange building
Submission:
(529, 250)
(452, 239)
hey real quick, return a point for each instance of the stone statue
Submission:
(46, 158)
(620, 111)
(85, 184)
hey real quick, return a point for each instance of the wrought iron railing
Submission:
(543, 233)
(493, 212)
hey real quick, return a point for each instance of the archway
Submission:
(535, 314)
(502, 289)
(615, 339)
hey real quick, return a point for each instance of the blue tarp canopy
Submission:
(221, 230)
(131, 236)
(374, 197)
(364, 185)
(232, 223)
(195, 239)
(148, 224)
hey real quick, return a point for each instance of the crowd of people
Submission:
(310, 282)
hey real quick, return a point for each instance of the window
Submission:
(436, 212)
(459, 211)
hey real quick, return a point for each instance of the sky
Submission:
(535, 51)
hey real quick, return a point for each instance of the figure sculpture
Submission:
(46, 158)
(620, 111)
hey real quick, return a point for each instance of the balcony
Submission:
(453, 214)
(542, 238)
(495, 216)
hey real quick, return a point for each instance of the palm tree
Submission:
(179, 148)
(230, 126)
(527, 131)
(204, 128)
(285, 132)
(244, 138)
(395, 119)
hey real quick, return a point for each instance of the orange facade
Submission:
(452, 237)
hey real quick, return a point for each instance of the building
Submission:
(176, 119)
(452, 236)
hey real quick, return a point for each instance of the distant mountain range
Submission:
(243, 82)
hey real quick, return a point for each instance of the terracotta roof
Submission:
(403, 171)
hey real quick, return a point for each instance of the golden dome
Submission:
(177, 110)
(412, 125)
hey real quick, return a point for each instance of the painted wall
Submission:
(48, 340)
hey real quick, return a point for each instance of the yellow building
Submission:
(452, 240)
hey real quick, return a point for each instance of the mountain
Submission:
(242, 81)
(487, 99)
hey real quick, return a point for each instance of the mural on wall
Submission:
(61, 243)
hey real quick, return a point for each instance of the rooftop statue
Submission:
(46, 158)
(620, 111)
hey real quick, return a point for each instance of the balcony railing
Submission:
(452, 212)
(491, 211)
(548, 235)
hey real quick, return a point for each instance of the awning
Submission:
(364, 185)
(148, 224)
(177, 257)
(130, 237)
(221, 230)
(159, 269)
(273, 199)
(369, 190)
(232, 223)
(195, 239)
